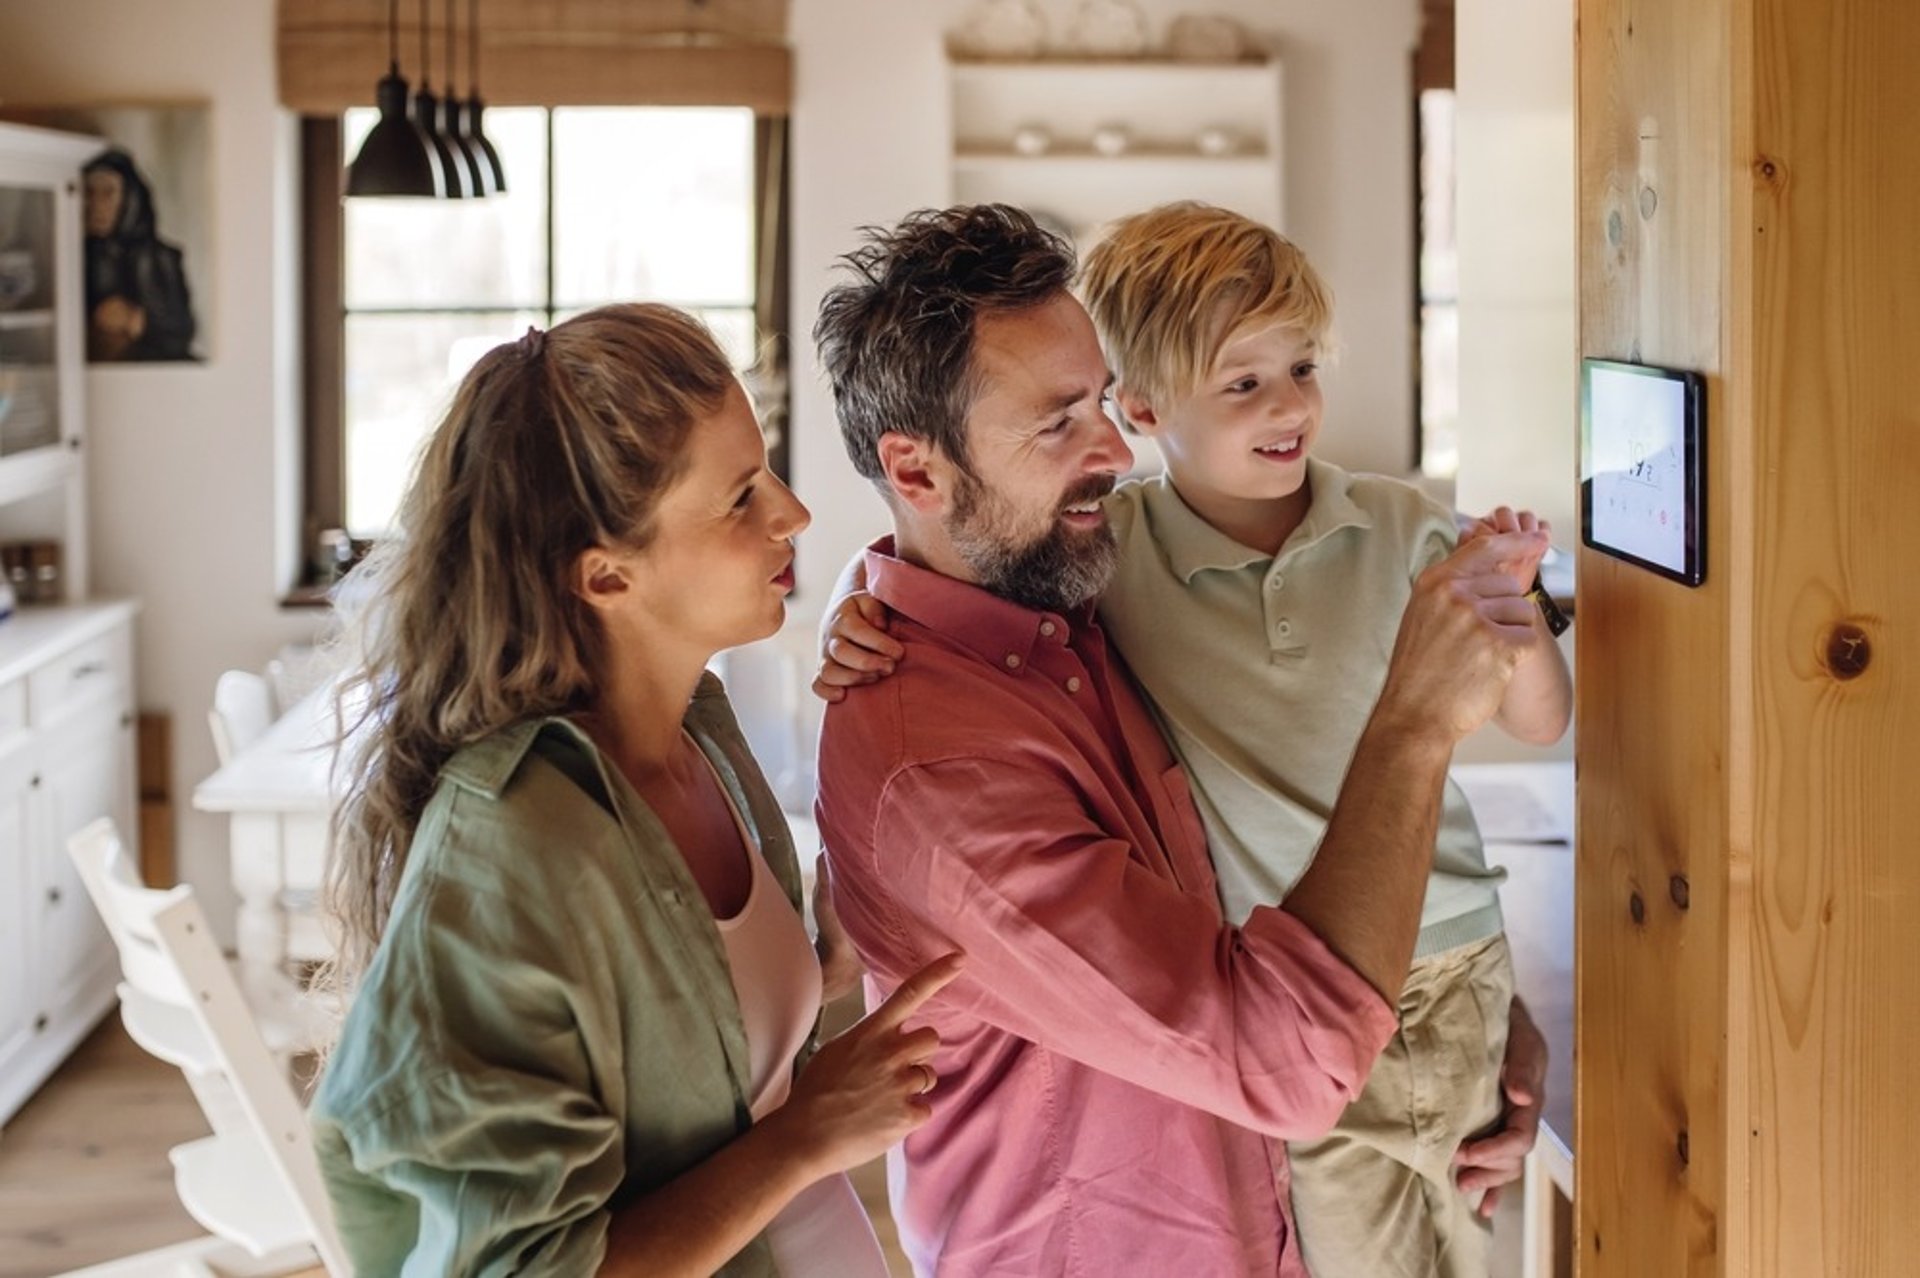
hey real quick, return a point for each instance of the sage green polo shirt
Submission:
(1265, 668)
(548, 1027)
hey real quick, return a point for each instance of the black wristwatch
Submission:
(1557, 621)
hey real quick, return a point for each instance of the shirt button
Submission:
(1047, 628)
(1073, 683)
(1284, 629)
(1274, 583)
(1013, 661)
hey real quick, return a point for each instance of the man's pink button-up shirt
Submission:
(1118, 1066)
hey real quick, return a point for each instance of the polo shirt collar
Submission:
(992, 628)
(1193, 545)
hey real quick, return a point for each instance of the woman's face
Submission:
(720, 566)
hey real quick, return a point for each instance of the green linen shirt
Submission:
(1265, 668)
(549, 1026)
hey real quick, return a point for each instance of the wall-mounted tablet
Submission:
(1643, 467)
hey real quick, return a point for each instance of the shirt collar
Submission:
(1193, 545)
(998, 631)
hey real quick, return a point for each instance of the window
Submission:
(603, 205)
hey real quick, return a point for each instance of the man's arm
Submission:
(1466, 630)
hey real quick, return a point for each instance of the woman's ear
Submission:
(601, 578)
(1138, 412)
(916, 472)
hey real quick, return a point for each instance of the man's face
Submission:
(1043, 452)
(101, 201)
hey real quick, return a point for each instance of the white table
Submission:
(277, 796)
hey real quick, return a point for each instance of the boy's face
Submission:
(1244, 432)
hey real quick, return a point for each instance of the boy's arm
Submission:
(1539, 702)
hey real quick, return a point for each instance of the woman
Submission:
(569, 900)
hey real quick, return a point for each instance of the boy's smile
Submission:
(1236, 445)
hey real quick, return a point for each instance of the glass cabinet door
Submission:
(29, 385)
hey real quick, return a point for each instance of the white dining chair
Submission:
(254, 1184)
(242, 710)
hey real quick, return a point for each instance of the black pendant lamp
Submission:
(456, 183)
(453, 125)
(475, 127)
(397, 157)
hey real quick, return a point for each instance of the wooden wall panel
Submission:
(1749, 189)
(1656, 794)
(1836, 436)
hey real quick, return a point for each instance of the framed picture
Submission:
(147, 203)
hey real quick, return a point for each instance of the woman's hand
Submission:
(857, 649)
(864, 1091)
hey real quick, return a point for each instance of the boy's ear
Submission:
(600, 578)
(916, 472)
(1138, 412)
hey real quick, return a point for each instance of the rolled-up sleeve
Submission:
(462, 1128)
(1075, 944)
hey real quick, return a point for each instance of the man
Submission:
(1118, 1064)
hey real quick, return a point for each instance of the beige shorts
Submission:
(1376, 1198)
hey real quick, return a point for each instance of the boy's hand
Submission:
(1466, 629)
(1496, 1160)
(1505, 519)
(857, 649)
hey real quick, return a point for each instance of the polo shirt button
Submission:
(1284, 628)
(1274, 583)
(1073, 683)
(1047, 628)
(1013, 661)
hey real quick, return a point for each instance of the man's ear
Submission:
(1138, 412)
(916, 472)
(600, 578)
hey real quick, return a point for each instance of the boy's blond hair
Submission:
(1169, 287)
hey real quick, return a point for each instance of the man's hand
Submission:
(1495, 1161)
(840, 965)
(1466, 630)
(856, 648)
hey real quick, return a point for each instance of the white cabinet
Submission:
(66, 669)
(69, 763)
(1082, 142)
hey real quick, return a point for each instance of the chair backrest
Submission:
(242, 710)
(182, 1002)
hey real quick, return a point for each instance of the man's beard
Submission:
(1056, 571)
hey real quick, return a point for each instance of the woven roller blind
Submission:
(546, 52)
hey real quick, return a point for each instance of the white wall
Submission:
(194, 469)
(870, 137)
(1518, 311)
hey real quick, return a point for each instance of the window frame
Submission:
(324, 316)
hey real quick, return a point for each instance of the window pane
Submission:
(455, 253)
(653, 204)
(1439, 289)
(401, 372)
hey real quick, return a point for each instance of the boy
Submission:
(1256, 601)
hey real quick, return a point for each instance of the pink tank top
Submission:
(824, 1232)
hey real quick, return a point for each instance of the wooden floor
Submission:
(84, 1175)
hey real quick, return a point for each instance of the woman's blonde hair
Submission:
(1169, 287)
(552, 444)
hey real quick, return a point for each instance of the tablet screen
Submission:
(1640, 466)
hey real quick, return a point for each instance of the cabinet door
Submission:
(18, 906)
(86, 773)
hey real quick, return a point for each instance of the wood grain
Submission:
(1719, 742)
